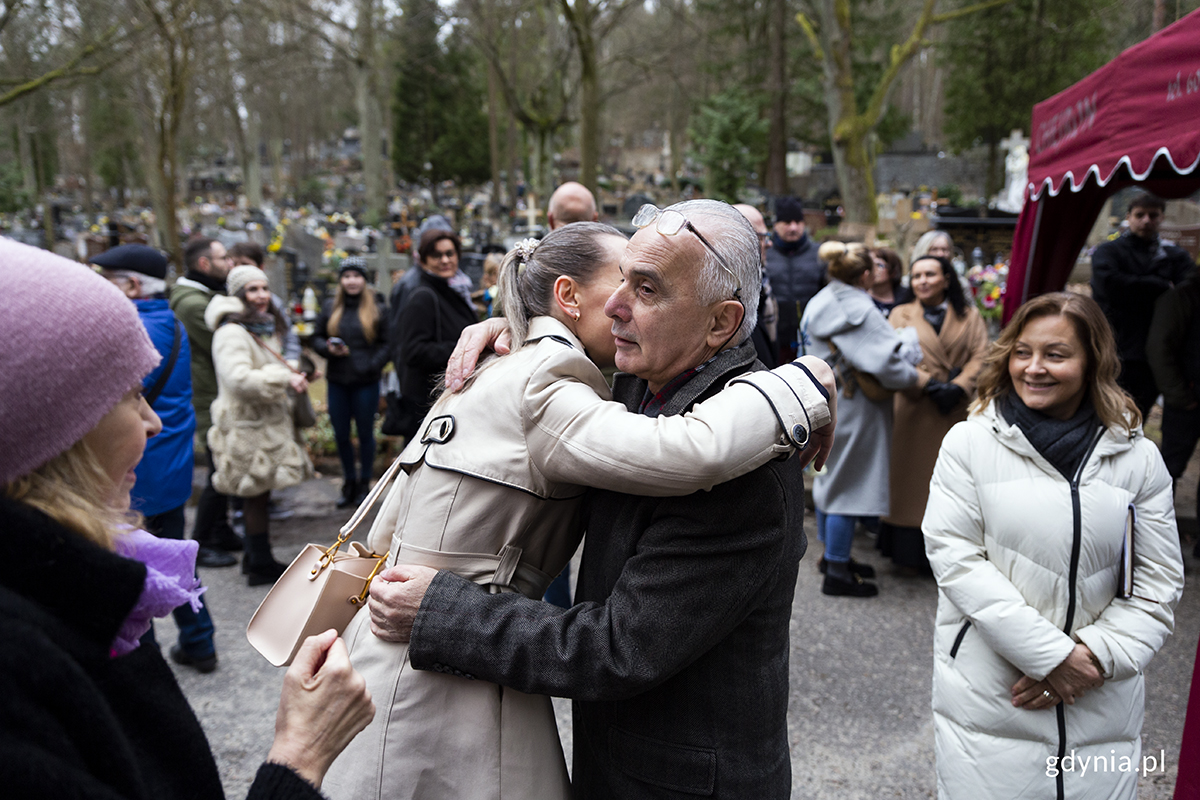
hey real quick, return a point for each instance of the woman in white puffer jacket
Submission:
(1038, 687)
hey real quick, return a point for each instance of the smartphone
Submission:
(335, 341)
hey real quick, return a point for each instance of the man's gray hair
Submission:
(732, 236)
(150, 285)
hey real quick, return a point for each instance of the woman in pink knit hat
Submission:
(88, 710)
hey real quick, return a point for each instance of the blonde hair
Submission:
(72, 489)
(847, 262)
(1113, 406)
(368, 313)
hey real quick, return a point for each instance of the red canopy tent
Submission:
(1135, 120)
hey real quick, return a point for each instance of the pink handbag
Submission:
(323, 588)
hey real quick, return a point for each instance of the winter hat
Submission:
(133, 258)
(356, 263)
(240, 276)
(74, 347)
(789, 209)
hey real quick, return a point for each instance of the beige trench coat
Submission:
(919, 426)
(253, 439)
(493, 494)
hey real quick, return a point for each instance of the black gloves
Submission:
(946, 396)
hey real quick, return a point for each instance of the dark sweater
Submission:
(74, 722)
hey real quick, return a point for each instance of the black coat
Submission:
(430, 322)
(366, 359)
(75, 722)
(676, 652)
(1128, 275)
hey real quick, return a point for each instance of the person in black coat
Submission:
(1128, 276)
(352, 334)
(433, 316)
(90, 709)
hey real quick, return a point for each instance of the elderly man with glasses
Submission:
(676, 651)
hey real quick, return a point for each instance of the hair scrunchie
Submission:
(524, 250)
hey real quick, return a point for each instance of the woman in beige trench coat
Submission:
(953, 339)
(490, 488)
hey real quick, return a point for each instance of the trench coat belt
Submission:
(503, 572)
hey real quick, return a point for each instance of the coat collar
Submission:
(549, 328)
(629, 389)
(1114, 440)
(937, 346)
(87, 587)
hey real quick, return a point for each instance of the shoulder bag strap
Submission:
(168, 368)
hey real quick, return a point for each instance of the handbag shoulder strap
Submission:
(168, 368)
(278, 357)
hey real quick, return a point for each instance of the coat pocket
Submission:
(958, 639)
(681, 768)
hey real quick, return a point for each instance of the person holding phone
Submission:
(352, 334)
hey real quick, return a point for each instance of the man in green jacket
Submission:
(207, 266)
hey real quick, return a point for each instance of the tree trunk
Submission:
(589, 110)
(992, 182)
(366, 89)
(252, 160)
(776, 172)
(856, 180)
(494, 102)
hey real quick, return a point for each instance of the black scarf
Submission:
(216, 284)
(935, 315)
(1063, 443)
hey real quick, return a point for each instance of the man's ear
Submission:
(566, 295)
(727, 317)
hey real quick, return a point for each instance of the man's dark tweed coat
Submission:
(676, 651)
(75, 722)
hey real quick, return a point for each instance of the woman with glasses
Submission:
(433, 316)
(842, 325)
(885, 288)
(491, 489)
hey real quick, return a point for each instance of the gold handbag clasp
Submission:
(362, 596)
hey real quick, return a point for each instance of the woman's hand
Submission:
(1078, 673)
(298, 382)
(340, 350)
(472, 342)
(324, 704)
(1034, 695)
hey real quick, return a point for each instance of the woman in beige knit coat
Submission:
(953, 339)
(253, 438)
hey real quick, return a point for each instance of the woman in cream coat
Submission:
(253, 438)
(1038, 686)
(490, 489)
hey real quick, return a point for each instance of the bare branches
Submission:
(69, 69)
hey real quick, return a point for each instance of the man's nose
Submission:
(615, 306)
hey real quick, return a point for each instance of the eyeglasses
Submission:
(671, 222)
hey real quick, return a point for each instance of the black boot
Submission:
(349, 493)
(259, 564)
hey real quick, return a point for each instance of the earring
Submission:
(574, 314)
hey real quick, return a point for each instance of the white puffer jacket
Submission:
(1020, 555)
(253, 439)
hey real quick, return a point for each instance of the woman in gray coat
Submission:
(842, 325)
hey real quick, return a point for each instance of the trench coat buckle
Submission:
(439, 430)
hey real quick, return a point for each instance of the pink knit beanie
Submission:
(72, 346)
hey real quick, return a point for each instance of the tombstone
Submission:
(1016, 173)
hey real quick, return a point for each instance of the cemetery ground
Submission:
(859, 718)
